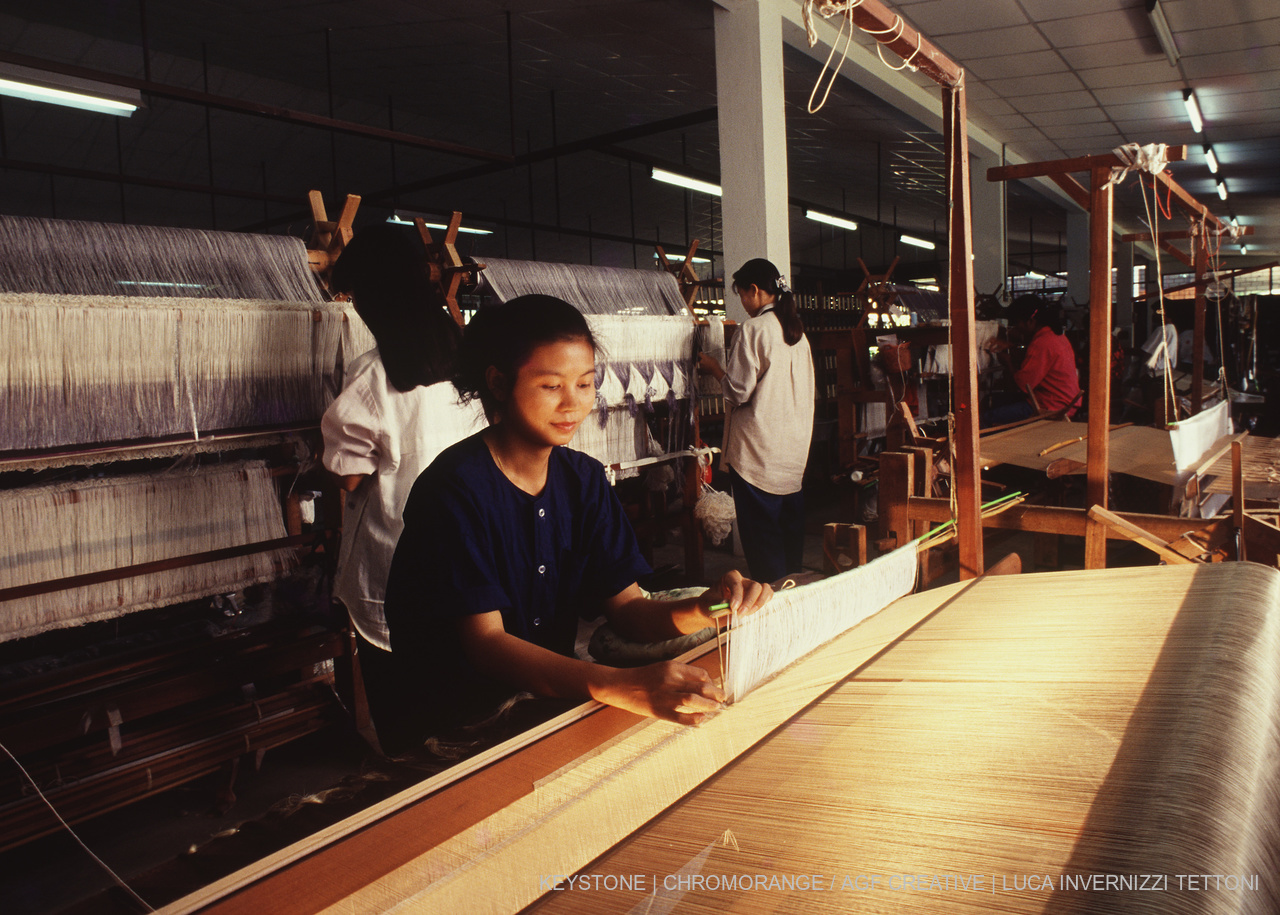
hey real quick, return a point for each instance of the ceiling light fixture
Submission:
(680, 258)
(1244, 249)
(838, 221)
(397, 219)
(916, 242)
(1222, 189)
(1211, 158)
(70, 92)
(1164, 34)
(1193, 110)
(693, 184)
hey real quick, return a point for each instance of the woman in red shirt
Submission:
(1047, 378)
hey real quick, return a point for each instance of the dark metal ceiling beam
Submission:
(259, 109)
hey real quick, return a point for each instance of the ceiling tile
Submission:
(937, 18)
(1087, 29)
(1109, 53)
(1052, 101)
(1132, 74)
(972, 46)
(1036, 85)
(1069, 116)
(1043, 11)
(1035, 63)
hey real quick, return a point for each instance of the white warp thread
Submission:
(799, 620)
(66, 529)
(94, 369)
(1191, 438)
(592, 290)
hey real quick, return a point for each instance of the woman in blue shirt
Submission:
(510, 537)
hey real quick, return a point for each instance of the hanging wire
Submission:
(67, 826)
(1166, 361)
(844, 54)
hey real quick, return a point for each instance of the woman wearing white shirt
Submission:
(398, 409)
(768, 386)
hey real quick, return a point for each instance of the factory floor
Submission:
(170, 844)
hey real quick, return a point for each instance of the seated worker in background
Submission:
(510, 537)
(398, 409)
(1047, 378)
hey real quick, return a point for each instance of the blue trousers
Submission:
(771, 528)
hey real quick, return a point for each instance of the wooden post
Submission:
(897, 484)
(964, 350)
(922, 459)
(1101, 201)
(843, 540)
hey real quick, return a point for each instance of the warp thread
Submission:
(65, 529)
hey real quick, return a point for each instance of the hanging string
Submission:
(1166, 357)
(67, 826)
(828, 9)
(844, 54)
(1214, 258)
(906, 64)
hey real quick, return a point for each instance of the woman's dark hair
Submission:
(1033, 308)
(760, 272)
(384, 269)
(503, 336)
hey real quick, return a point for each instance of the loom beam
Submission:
(329, 237)
(445, 266)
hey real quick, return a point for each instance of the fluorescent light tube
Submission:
(33, 92)
(1222, 189)
(462, 230)
(693, 184)
(1164, 34)
(1193, 110)
(680, 257)
(1211, 159)
(917, 242)
(837, 221)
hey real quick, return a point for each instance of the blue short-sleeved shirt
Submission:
(473, 542)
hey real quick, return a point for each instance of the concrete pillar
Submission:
(1077, 258)
(990, 238)
(753, 139)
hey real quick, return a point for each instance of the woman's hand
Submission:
(742, 594)
(668, 690)
(710, 365)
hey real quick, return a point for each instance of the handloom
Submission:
(1167, 456)
(1021, 729)
(120, 338)
(189, 370)
(122, 333)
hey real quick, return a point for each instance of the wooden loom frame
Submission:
(1098, 201)
(114, 702)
